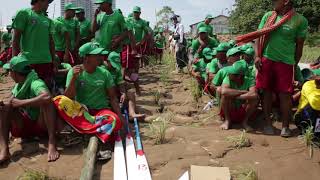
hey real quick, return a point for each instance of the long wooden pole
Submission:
(90, 159)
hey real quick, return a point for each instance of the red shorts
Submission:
(158, 50)
(44, 71)
(127, 59)
(236, 115)
(30, 128)
(274, 76)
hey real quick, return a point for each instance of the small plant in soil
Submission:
(245, 173)
(1, 78)
(31, 174)
(158, 129)
(164, 77)
(196, 91)
(307, 138)
(156, 97)
(240, 141)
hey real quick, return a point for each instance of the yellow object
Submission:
(310, 95)
(70, 107)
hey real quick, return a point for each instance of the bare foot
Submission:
(140, 117)
(4, 155)
(225, 125)
(53, 153)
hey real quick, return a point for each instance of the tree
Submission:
(163, 17)
(248, 13)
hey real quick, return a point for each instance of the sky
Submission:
(191, 11)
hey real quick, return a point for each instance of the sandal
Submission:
(286, 132)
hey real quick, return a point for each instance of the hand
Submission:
(258, 63)
(77, 70)
(122, 97)
(6, 104)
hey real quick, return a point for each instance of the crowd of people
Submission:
(96, 63)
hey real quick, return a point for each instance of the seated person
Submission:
(198, 70)
(29, 111)
(113, 65)
(91, 85)
(239, 98)
(248, 55)
(202, 42)
(60, 74)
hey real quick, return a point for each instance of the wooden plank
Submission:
(90, 159)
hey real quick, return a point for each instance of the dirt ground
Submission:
(193, 138)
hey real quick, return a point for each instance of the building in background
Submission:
(220, 23)
(88, 5)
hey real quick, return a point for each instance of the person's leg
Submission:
(226, 106)
(285, 109)
(251, 108)
(48, 118)
(132, 107)
(267, 109)
(4, 133)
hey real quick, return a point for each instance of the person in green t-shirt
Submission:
(6, 37)
(29, 112)
(109, 25)
(71, 43)
(202, 42)
(281, 53)
(90, 84)
(247, 53)
(206, 24)
(33, 38)
(85, 26)
(198, 70)
(160, 41)
(239, 98)
(113, 65)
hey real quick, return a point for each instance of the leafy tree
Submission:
(163, 17)
(248, 13)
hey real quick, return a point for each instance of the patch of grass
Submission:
(307, 138)
(169, 61)
(245, 173)
(156, 97)
(31, 174)
(164, 77)
(1, 78)
(158, 129)
(310, 54)
(240, 141)
(196, 91)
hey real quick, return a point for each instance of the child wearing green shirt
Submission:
(160, 41)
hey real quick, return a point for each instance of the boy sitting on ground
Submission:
(202, 42)
(239, 98)
(29, 111)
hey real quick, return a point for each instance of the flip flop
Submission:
(104, 155)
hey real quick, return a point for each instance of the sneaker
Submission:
(268, 130)
(285, 132)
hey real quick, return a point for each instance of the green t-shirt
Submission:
(36, 30)
(91, 89)
(61, 80)
(200, 66)
(247, 84)
(214, 66)
(208, 26)
(72, 26)
(219, 77)
(128, 26)
(196, 44)
(116, 75)
(160, 41)
(58, 36)
(281, 45)
(84, 28)
(36, 88)
(251, 72)
(140, 28)
(110, 26)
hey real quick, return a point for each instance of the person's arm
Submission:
(43, 98)
(16, 42)
(299, 49)
(73, 74)
(52, 47)
(95, 25)
(115, 103)
(228, 92)
(77, 43)
(68, 46)
(250, 95)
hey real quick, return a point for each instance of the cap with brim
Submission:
(249, 51)
(89, 49)
(239, 67)
(207, 53)
(233, 51)
(18, 64)
(209, 16)
(223, 47)
(203, 30)
(136, 9)
(114, 59)
(105, 52)
(214, 52)
(70, 6)
(80, 10)
(103, 1)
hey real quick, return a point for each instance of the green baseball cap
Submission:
(249, 51)
(103, 1)
(105, 52)
(89, 49)
(245, 47)
(239, 67)
(136, 9)
(79, 10)
(214, 52)
(232, 43)
(223, 47)
(203, 30)
(233, 51)
(209, 16)
(114, 59)
(18, 64)
(70, 6)
(207, 53)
